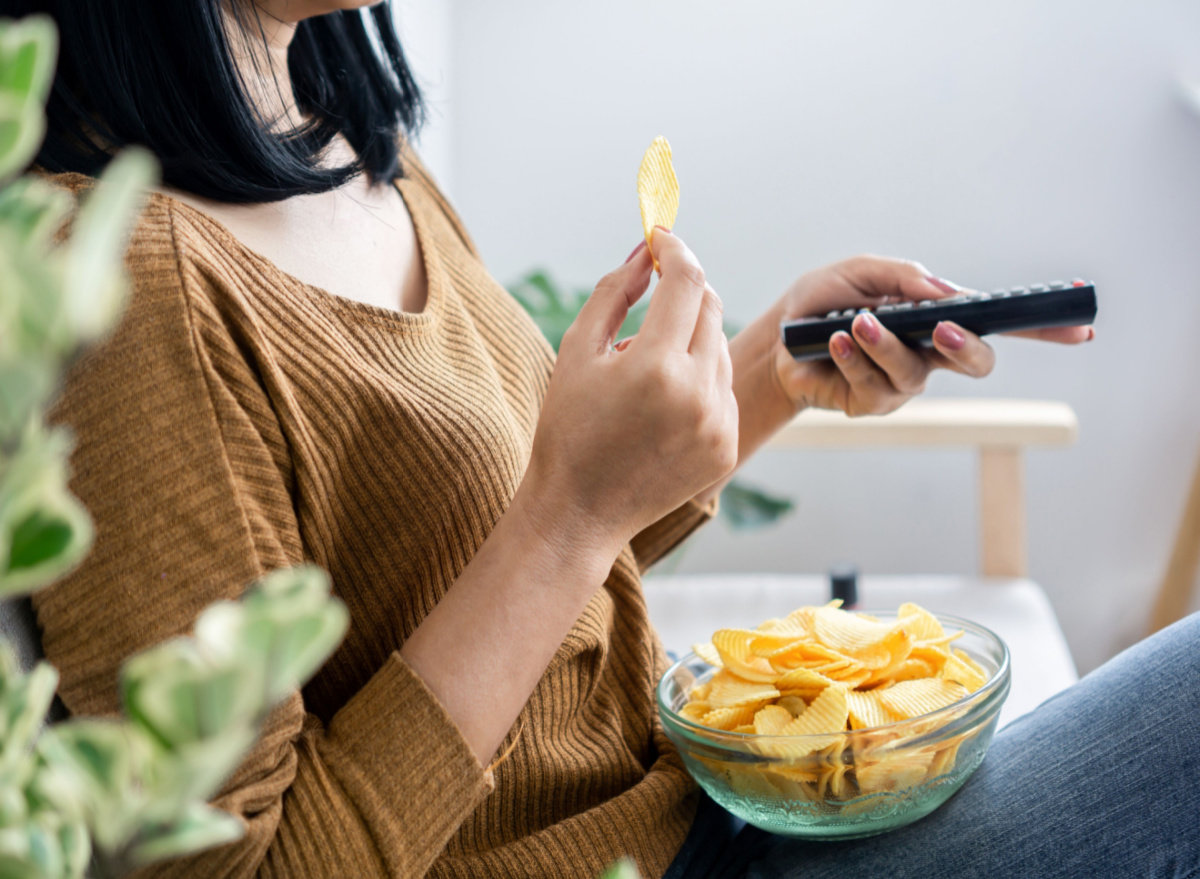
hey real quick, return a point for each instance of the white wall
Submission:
(998, 143)
(425, 28)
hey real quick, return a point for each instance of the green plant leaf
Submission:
(25, 385)
(26, 700)
(27, 52)
(44, 530)
(744, 507)
(622, 869)
(93, 281)
(32, 210)
(105, 761)
(554, 309)
(202, 827)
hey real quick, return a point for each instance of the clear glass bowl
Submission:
(846, 785)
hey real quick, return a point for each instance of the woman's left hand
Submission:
(871, 371)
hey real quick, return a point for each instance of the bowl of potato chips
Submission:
(832, 724)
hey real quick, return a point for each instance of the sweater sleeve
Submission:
(185, 471)
(651, 544)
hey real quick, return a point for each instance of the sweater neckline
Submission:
(362, 311)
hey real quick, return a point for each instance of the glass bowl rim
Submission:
(973, 701)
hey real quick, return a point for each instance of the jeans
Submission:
(1103, 780)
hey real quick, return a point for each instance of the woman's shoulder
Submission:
(174, 251)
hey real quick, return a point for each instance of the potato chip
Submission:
(733, 645)
(795, 704)
(967, 674)
(802, 679)
(851, 635)
(658, 190)
(911, 669)
(920, 623)
(896, 772)
(943, 760)
(971, 663)
(914, 698)
(729, 691)
(695, 711)
(866, 711)
(708, 653)
(730, 718)
(771, 720)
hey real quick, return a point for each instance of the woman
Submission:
(315, 366)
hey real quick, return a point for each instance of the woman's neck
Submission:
(259, 45)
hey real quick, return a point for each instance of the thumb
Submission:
(602, 315)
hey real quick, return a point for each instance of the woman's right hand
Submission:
(626, 436)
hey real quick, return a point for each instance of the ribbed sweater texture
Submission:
(239, 421)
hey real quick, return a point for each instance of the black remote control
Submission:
(1002, 311)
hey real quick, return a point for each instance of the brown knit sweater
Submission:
(239, 421)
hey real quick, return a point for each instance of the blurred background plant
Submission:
(743, 506)
(108, 794)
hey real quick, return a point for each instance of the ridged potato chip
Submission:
(914, 698)
(658, 190)
(730, 691)
(866, 711)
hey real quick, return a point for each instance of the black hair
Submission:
(161, 73)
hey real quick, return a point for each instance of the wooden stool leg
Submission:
(1174, 595)
(1002, 512)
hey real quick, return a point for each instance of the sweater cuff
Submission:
(406, 759)
(657, 540)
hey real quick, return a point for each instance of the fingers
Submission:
(709, 332)
(677, 300)
(905, 368)
(1061, 335)
(602, 315)
(867, 390)
(901, 279)
(964, 351)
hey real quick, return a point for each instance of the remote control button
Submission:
(1078, 282)
(849, 312)
(1019, 291)
(925, 303)
(832, 314)
(1038, 288)
(1057, 285)
(903, 306)
(864, 310)
(981, 297)
(886, 309)
(1001, 294)
(954, 300)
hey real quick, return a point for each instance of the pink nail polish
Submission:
(869, 328)
(636, 251)
(950, 336)
(841, 345)
(945, 286)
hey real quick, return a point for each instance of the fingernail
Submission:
(1091, 333)
(635, 251)
(665, 229)
(841, 345)
(868, 327)
(623, 344)
(944, 286)
(949, 335)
